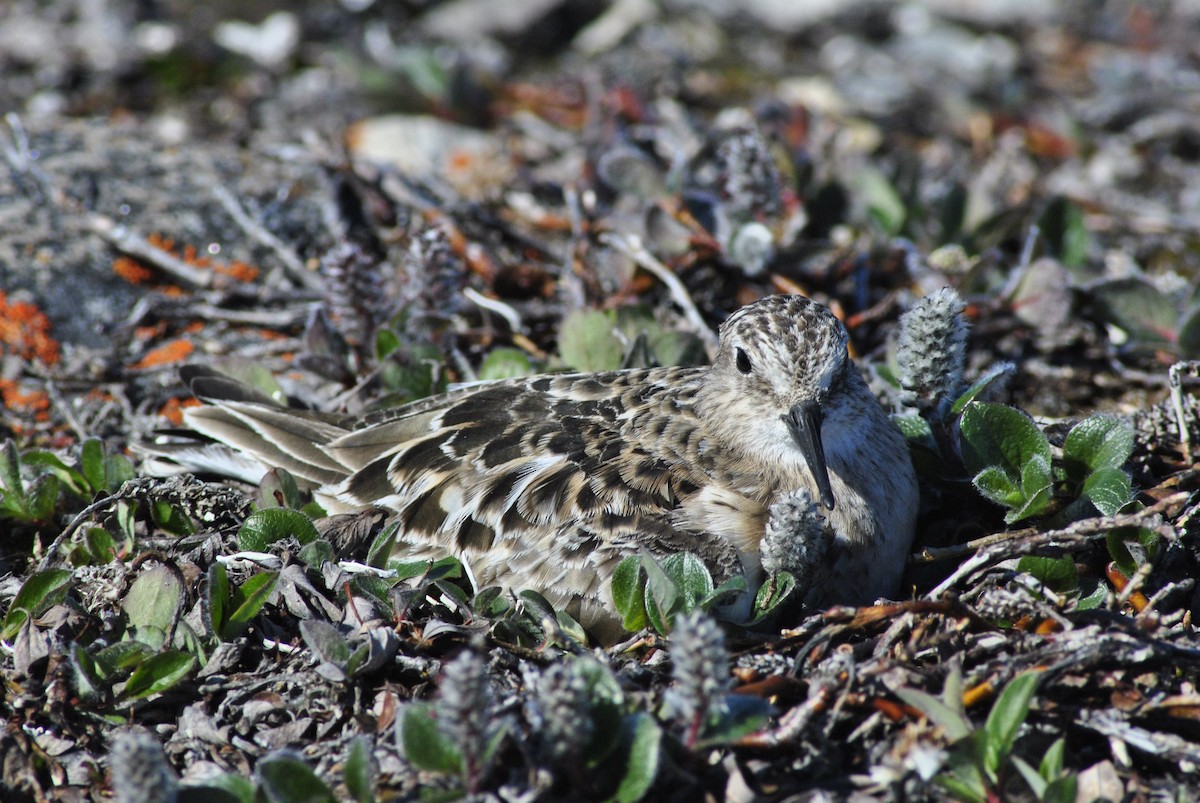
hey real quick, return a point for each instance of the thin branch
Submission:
(292, 263)
(129, 242)
(631, 246)
(1029, 541)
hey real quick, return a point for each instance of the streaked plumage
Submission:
(547, 482)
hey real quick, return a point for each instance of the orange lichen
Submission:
(173, 410)
(135, 271)
(131, 270)
(170, 352)
(238, 271)
(35, 402)
(25, 331)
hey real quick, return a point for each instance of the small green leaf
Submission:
(995, 484)
(381, 548)
(678, 348)
(359, 773)
(425, 745)
(691, 579)
(914, 428)
(121, 656)
(999, 435)
(264, 528)
(127, 519)
(386, 342)
(217, 597)
(505, 363)
(979, 385)
(152, 604)
(570, 627)
(283, 778)
(1115, 540)
(1064, 231)
(74, 480)
(42, 497)
(740, 716)
(91, 463)
(1188, 341)
(1057, 574)
(1093, 600)
(1052, 763)
(247, 601)
(317, 554)
(118, 470)
(278, 488)
(1098, 442)
(1138, 307)
(1033, 506)
(662, 596)
(100, 545)
(1036, 476)
(644, 736)
(965, 783)
(883, 202)
(586, 341)
(326, 641)
(954, 723)
(730, 588)
(88, 683)
(158, 673)
(10, 473)
(38, 594)
(629, 593)
(170, 517)
(1006, 717)
(773, 593)
(1036, 782)
(1109, 489)
(1061, 790)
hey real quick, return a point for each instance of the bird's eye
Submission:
(742, 361)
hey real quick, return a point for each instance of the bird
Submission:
(548, 482)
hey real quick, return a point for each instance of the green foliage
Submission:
(648, 592)
(158, 673)
(619, 761)
(594, 340)
(285, 778)
(359, 772)
(1149, 318)
(1064, 232)
(39, 593)
(152, 605)
(505, 363)
(1049, 782)
(231, 608)
(1009, 458)
(884, 203)
(278, 489)
(425, 745)
(30, 504)
(978, 764)
(40, 500)
(587, 341)
(340, 658)
(264, 528)
(407, 373)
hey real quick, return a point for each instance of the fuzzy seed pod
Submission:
(139, 769)
(931, 350)
(797, 537)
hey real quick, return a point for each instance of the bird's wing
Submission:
(541, 483)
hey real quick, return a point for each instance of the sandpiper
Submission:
(548, 482)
